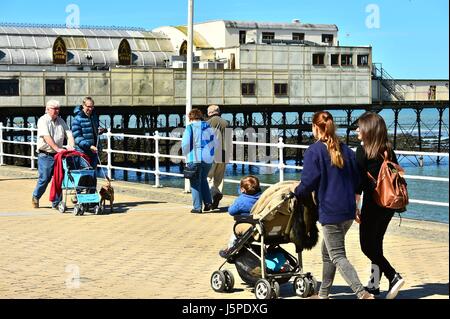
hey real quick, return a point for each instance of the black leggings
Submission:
(374, 222)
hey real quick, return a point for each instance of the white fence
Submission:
(280, 162)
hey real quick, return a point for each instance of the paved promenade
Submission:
(153, 247)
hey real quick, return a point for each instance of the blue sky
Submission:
(409, 37)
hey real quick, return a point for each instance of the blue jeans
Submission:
(334, 256)
(45, 170)
(200, 188)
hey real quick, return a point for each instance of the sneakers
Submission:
(373, 291)
(216, 199)
(196, 211)
(365, 295)
(35, 202)
(207, 208)
(394, 286)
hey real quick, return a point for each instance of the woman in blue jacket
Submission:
(198, 147)
(330, 170)
(85, 129)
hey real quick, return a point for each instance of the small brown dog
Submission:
(107, 193)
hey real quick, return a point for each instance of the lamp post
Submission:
(189, 59)
(187, 185)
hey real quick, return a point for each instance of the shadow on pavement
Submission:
(123, 207)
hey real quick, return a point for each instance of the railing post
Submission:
(108, 151)
(281, 158)
(1, 144)
(157, 160)
(32, 147)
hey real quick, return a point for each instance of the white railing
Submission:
(280, 165)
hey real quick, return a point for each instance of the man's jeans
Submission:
(45, 169)
(200, 188)
(334, 256)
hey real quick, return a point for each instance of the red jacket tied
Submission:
(58, 173)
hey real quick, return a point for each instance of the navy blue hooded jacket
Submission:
(335, 187)
(85, 131)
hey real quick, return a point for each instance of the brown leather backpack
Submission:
(390, 186)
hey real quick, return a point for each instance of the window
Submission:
(9, 87)
(55, 87)
(242, 36)
(248, 88)
(267, 37)
(318, 59)
(432, 93)
(346, 60)
(363, 60)
(327, 38)
(335, 59)
(298, 36)
(280, 88)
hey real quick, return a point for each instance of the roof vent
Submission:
(295, 21)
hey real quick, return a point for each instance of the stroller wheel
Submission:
(301, 287)
(97, 210)
(62, 207)
(263, 290)
(275, 290)
(313, 285)
(76, 210)
(218, 281)
(229, 280)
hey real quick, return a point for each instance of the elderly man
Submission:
(217, 171)
(51, 133)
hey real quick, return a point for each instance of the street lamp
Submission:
(189, 59)
(187, 186)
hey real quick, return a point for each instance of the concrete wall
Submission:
(148, 87)
(413, 90)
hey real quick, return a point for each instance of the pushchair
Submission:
(276, 218)
(80, 181)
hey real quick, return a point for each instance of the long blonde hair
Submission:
(324, 122)
(374, 135)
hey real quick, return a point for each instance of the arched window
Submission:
(59, 51)
(124, 52)
(183, 48)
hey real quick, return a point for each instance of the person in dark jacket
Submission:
(374, 219)
(330, 170)
(85, 129)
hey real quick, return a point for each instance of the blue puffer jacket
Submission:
(85, 131)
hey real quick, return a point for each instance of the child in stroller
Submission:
(276, 218)
(80, 180)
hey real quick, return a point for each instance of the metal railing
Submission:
(277, 164)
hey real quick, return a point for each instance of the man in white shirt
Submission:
(50, 139)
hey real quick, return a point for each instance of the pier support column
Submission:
(396, 113)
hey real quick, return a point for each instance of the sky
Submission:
(409, 37)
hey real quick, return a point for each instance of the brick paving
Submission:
(152, 247)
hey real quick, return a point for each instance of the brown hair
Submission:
(324, 121)
(374, 135)
(250, 184)
(195, 114)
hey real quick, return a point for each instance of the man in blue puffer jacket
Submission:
(85, 128)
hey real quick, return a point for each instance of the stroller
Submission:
(79, 180)
(276, 218)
